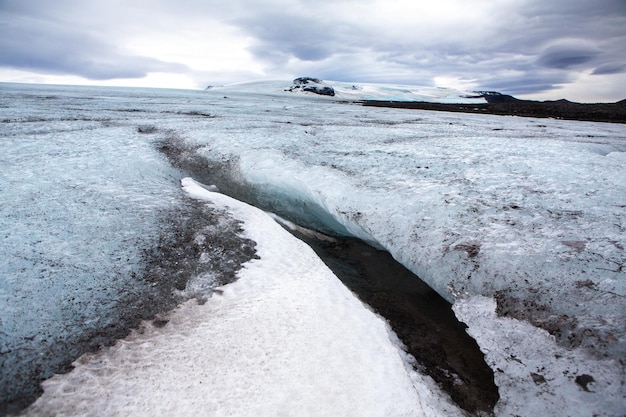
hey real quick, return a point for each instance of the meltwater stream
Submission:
(422, 319)
(98, 236)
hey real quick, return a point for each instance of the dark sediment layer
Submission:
(420, 317)
(168, 267)
(510, 106)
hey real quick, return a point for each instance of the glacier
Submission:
(267, 344)
(519, 222)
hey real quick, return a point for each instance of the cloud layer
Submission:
(513, 46)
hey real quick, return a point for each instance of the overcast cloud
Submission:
(533, 48)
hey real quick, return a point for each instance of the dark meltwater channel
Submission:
(421, 318)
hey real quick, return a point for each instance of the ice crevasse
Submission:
(286, 338)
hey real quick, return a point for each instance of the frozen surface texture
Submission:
(286, 339)
(518, 221)
(536, 377)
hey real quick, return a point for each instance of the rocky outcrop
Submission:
(324, 91)
(312, 85)
(306, 80)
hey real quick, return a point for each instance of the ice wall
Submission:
(529, 211)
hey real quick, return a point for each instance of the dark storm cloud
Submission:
(569, 35)
(288, 34)
(610, 68)
(568, 54)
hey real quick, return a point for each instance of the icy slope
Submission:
(354, 91)
(286, 339)
(527, 212)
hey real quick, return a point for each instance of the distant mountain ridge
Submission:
(354, 92)
(433, 98)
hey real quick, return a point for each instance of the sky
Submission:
(538, 49)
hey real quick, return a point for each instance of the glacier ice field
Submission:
(519, 222)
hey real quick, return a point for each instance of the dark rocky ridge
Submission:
(505, 105)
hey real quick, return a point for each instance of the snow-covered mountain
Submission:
(351, 91)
